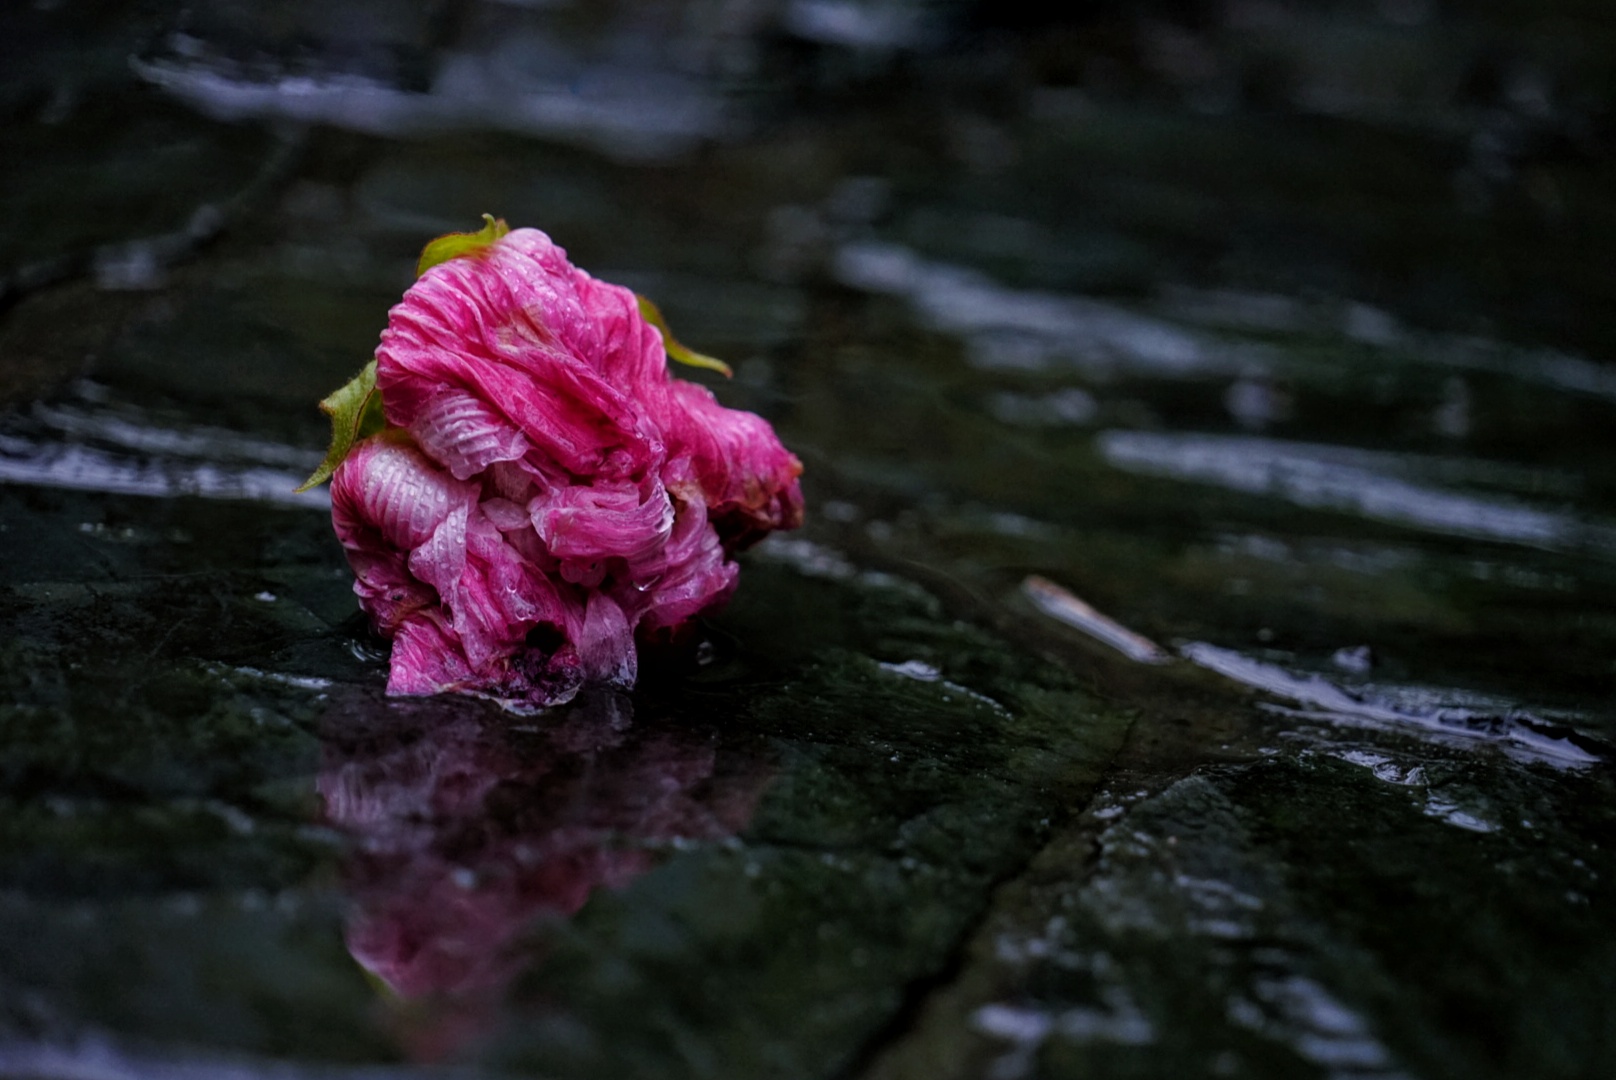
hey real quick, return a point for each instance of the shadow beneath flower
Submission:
(472, 829)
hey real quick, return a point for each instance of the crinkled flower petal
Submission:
(392, 488)
(465, 433)
(698, 575)
(748, 478)
(544, 489)
(600, 521)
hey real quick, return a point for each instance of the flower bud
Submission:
(541, 489)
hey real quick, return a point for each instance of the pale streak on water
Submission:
(630, 113)
(1360, 482)
(117, 452)
(1516, 731)
(1009, 329)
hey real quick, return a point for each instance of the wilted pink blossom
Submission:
(544, 490)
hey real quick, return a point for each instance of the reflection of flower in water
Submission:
(468, 832)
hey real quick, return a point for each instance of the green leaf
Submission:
(457, 245)
(653, 315)
(355, 412)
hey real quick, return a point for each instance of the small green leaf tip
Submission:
(455, 245)
(653, 315)
(355, 412)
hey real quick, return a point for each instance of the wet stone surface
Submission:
(1198, 660)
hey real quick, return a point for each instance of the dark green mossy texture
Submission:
(1335, 276)
(158, 778)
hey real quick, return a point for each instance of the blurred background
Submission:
(1278, 333)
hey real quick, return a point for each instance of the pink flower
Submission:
(543, 489)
